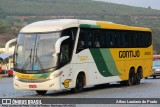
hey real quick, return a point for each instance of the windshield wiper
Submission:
(26, 62)
(15, 56)
(37, 60)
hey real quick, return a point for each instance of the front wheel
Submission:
(79, 84)
(41, 92)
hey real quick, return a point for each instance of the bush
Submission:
(3, 26)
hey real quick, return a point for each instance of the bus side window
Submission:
(112, 39)
(80, 45)
(64, 56)
(89, 44)
(89, 40)
(120, 39)
(81, 42)
(67, 45)
(102, 39)
(96, 39)
(126, 44)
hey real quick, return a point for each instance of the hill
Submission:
(14, 14)
(69, 7)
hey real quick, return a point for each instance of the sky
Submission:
(154, 4)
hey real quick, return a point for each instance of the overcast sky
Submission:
(154, 4)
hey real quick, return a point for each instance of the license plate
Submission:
(32, 86)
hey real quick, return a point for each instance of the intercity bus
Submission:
(72, 54)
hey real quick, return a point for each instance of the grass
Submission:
(69, 7)
(82, 9)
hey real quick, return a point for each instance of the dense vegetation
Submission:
(14, 14)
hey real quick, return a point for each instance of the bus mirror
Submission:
(55, 58)
(58, 44)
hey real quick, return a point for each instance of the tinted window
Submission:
(67, 45)
(106, 38)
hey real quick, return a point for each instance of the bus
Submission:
(72, 54)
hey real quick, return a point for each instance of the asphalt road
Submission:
(149, 88)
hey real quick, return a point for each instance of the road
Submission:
(149, 88)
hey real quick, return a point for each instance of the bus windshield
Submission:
(35, 51)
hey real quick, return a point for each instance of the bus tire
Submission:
(131, 78)
(41, 92)
(138, 76)
(137, 79)
(79, 84)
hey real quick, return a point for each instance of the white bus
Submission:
(72, 53)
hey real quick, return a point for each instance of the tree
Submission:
(149, 7)
(2, 14)
(3, 26)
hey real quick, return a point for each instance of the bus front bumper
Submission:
(47, 85)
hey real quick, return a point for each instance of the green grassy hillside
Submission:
(69, 7)
(14, 14)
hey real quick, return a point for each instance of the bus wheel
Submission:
(138, 76)
(41, 92)
(79, 84)
(131, 78)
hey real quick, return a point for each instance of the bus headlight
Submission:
(15, 77)
(53, 76)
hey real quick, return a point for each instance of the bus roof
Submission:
(60, 24)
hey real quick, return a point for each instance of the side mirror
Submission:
(58, 44)
(57, 48)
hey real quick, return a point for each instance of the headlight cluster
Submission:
(52, 76)
(16, 77)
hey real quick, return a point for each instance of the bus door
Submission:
(64, 62)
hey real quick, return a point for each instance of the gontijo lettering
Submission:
(129, 54)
